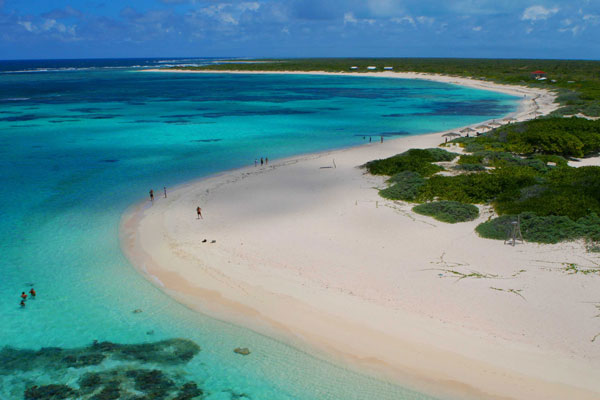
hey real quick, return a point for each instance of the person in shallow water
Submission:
(151, 195)
(199, 212)
(23, 296)
(32, 292)
(22, 303)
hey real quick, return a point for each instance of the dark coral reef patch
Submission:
(129, 379)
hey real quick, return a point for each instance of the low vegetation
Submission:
(448, 211)
(415, 160)
(519, 176)
(564, 137)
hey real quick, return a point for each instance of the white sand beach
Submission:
(306, 251)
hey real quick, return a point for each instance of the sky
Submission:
(39, 29)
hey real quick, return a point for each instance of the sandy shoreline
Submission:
(313, 256)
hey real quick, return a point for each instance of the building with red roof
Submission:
(538, 74)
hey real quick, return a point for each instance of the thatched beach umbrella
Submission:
(495, 124)
(483, 127)
(451, 134)
(467, 130)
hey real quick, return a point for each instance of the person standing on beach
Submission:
(382, 139)
(255, 162)
(165, 190)
(369, 139)
(199, 212)
(151, 195)
(262, 161)
(266, 160)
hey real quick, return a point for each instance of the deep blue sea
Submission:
(82, 140)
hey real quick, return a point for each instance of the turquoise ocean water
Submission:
(80, 141)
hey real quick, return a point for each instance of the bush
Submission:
(470, 167)
(415, 160)
(542, 229)
(567, 137)
(448, 211)
(470, 159)
(570, 203)
(478, 188)
(405, 186)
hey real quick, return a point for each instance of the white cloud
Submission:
(535, 13)
(48, 24)
(251, 6)
(425, 20)
(349, 18)
(575, 30)
(27, 25)
(406, 19)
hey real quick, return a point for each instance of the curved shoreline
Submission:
(256, 276)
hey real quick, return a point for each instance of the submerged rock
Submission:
(242, 350)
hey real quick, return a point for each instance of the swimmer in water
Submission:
(23, 296)
(22, 303)
(32, 292)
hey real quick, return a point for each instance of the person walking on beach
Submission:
(261, 161)
(151, 195)
(199, 212)
(165, 190)
(32, 293)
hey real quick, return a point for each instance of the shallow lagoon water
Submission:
(78, 147)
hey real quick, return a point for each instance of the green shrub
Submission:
(405, 186)
(470, 159)
(470, 167)
(415, 160)
(568, 137)
(542, 229)
(546, 158)
(448, 211)
(570, 203)
(441, 154)
(478, 188)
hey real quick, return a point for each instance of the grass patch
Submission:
(448, 211)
